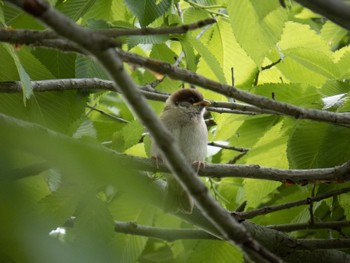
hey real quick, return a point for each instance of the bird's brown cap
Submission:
(189, 95)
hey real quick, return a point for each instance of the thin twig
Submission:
(228, 147)
(307, 201)
(108, 115)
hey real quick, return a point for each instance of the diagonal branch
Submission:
(96, 45)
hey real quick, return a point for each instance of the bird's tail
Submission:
(176, 198)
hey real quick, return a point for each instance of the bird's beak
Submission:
(203, 103)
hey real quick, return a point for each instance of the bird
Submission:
(183, 116)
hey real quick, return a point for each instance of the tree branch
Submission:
(265, 105)
(95, 44)
(298, 176)
(336, 10)
(257, 100)
(101, 84)
(33, 36)
(168, 234)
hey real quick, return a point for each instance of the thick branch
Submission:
(299, 176)
(101, 84)
(95, 44)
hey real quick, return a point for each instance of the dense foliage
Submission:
(58, 161)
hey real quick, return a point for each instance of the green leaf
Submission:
(8, 70)
(343, 62)
(314, 61)
(2, 17)
(296, 94)
(334, 149)
(333, 33)
(256, 191)
(128, 136)
(253, 22)
(93, 220)
(233, 55)
(148, 10)
(23, 75)
(60, 65)
(133, 209)
(250, 132)
(75, 9)
(16, 18)
(303, 147)
(307, 38)
(270, 150)
(86, 67)
(60, 205)
(210, 59)
(108, 10)
(344, 201)
(55, 110)
(203, 251)
(191, 60)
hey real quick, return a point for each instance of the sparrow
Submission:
(183, 116)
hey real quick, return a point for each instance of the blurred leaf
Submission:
(93, 220)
